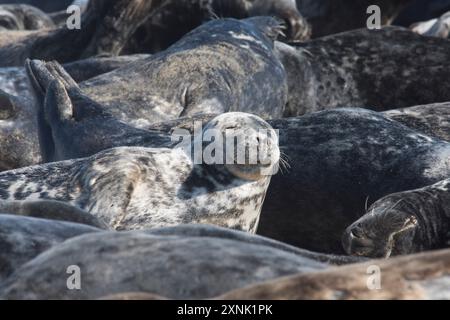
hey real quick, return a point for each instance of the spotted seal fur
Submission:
(135, 188)
(359, 68)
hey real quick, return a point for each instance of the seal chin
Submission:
(251, 172)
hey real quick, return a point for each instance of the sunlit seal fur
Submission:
(222, 66)
(23, 17)
(403, 223)
(359, 69)
(136, 188)
(185, 262)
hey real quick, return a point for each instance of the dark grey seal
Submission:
(136, 188)
(176, 18)
(19, 144)
(24, 238)
(334, 16)
(106, 25)
(432, 120)
(403, 223)
(359, 69)
(23, 17)
(186, 262)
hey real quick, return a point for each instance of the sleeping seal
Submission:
(135, 188)
(403, 223)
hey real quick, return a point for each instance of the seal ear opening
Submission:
(7, 108)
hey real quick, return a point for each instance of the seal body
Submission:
(226, 65)
(135, 188)
(403, 223)
(359, 68)
(421, 277)
(19, 145)
(340, 162)
(166, 261)
(432, 120)
(24, 238)
(23, 17)
(176, 18)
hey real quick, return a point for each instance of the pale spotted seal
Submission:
(135, 188)
(185, 262)
(23, 238)
(359, 69)
(23, 17)
(333, 172)
(403, 223)
(224, 65)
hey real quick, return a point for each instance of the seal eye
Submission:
(357, 232)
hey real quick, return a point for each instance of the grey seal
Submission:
(24, 238)
(23, 17)
(359, 68)
(403, 223)
(415, 277)
(185, 262)
(19, 144)
(135, 188)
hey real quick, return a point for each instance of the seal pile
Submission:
(116, 180)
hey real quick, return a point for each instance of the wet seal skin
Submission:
(164, 261)
(359, 69)
(222, 66)
(24, 238)
(114, 185)
(403, 223)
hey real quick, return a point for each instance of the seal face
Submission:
(135, 188)
(403, 223)
(23, 17)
